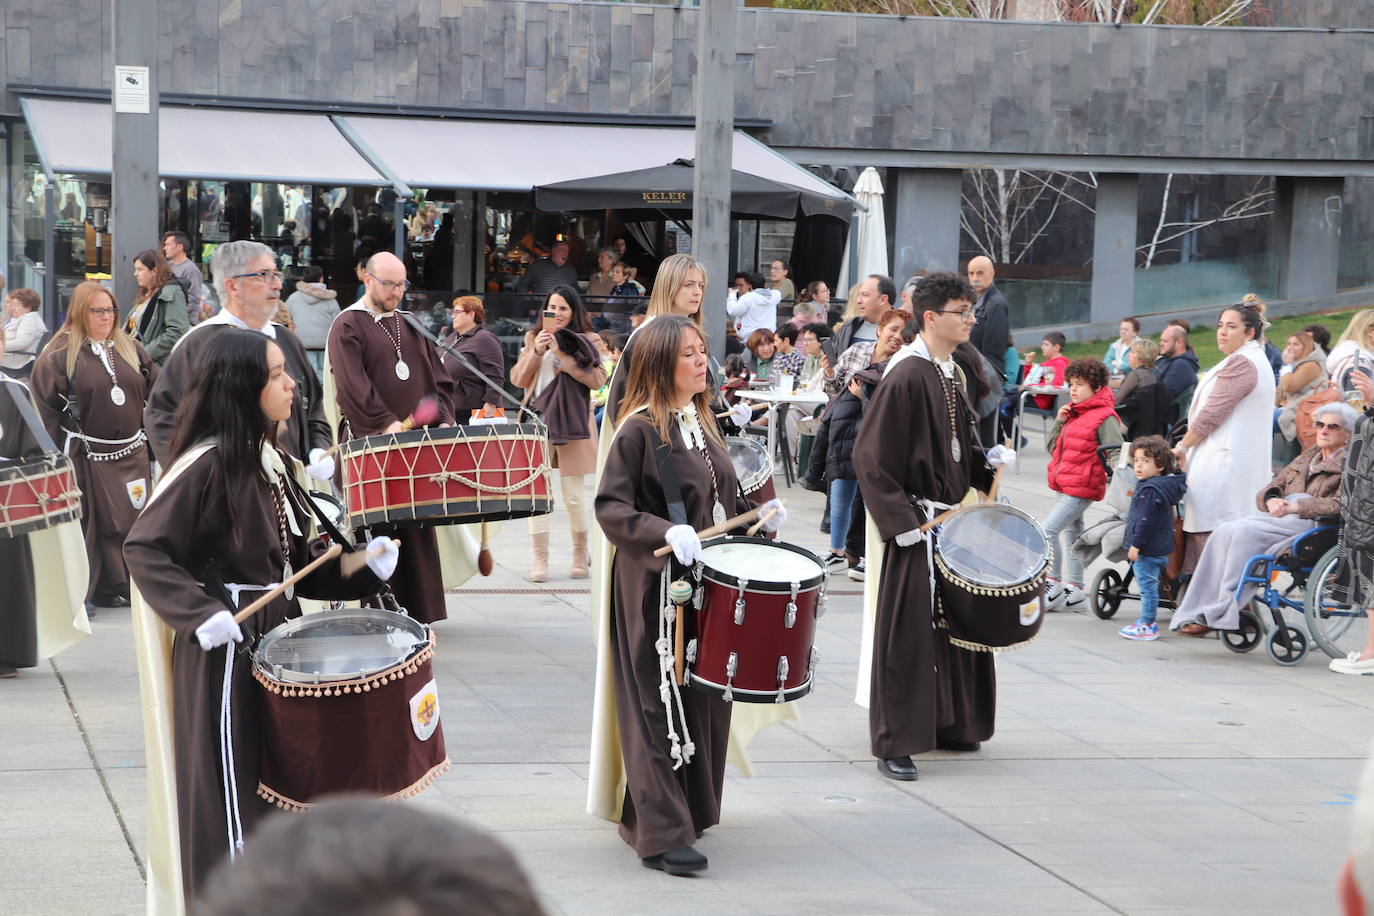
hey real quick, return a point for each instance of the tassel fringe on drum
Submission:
(410, 791)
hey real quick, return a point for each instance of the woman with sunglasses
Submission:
(91, 383)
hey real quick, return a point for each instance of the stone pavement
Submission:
(1165, 777)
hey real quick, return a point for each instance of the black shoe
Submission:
(901, 768)
(90, 611)
(8, 671)
(825, 525)
(684, 861)
(967, 746)
(109, 599)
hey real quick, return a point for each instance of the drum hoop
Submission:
(789, 693)
(327, 687)
(979, 588)
(386, 442)
(761, 585)
(763, 474)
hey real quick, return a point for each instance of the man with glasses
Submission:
(918, 450)
(249, 286)
(382, 368)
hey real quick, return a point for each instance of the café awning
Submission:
(226, 144)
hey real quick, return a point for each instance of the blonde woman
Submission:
(91, 383)
(1354, 347)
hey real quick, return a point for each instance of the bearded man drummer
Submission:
(382, 369)
(920, 439)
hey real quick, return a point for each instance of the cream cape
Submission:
(60, 573)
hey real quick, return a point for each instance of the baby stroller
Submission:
(1110, 587)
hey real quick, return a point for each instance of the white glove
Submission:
(999, 455)
(383, 561)
(685, 543)
(910, 538)
(218, 631)
(321, 466)
(776, 522)
(741, 414)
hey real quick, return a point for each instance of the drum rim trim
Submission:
(762, 585)
(273, 797)
(789, 693)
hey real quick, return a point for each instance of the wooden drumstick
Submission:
(763, 520)
(267, 598)
(679, 592)
(940, 518)
(759, 406)
(484, 558)
(743, 518)
(425, 413)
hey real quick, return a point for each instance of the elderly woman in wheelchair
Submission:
(1298, 499)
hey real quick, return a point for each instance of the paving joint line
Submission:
(100, 773)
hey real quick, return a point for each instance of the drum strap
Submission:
(19, 394)
(672, 491)
(468, 364)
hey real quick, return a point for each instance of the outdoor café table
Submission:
(1058, 391)
(773, 398)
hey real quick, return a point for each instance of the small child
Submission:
(1150, 526)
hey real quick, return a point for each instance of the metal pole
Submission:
(135, 197)
(715, 127)
(51, 306)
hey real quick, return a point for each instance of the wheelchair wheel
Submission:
(1286, 645)
(1105, 595)
(1336, 625)
(1245, 636)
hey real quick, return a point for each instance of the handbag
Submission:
(1305, 413)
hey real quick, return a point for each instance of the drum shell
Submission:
(411, 478)
(38, 494)
(761, 639)
(336, 736)
(990, 620)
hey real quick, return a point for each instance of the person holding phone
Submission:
(559, 367)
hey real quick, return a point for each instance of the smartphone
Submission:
(550, 320)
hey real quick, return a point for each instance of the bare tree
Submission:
(1256, 202)
(1006, 211)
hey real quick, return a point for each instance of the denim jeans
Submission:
(1066, 514)
(1147, 570)
(841, 500)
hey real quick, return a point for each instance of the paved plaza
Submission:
(1166, 777)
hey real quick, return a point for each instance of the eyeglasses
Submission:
(964, 314)
(1333, 426)
(105, 312)
(390, 285)
(267, 276)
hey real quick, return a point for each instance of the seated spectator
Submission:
(1176, 369)
(1355, 347)
(1149, 537)
(354, 855)
(547, 274)
(24, 330)
(638, 315)
(779, 279)
(1303, 373)
(787, 357)
(600, 284)
(1048, 373)
(1117, 352)
(1141, 360)
(623, 292)
(1321, 336)
(751, 305)
(1140, 401)
(1301, 494)
(812, 306)
(1011, 367)
(816, 368)
(736, 377)
(761, 349)
(1077, 472)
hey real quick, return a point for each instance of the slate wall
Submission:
(833, 81)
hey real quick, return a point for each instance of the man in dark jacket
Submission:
(990, 334)
(874, 298)
(1176, 368)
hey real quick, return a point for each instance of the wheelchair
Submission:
(1336, 618)
(1285, 643)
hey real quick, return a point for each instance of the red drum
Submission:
(755, 636)
(454, 475)
(349, 704)
(37, 494)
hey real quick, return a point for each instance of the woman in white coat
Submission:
(1226, 450)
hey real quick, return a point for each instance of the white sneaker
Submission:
(859, 571)
(1054, 596)
(1073, 597)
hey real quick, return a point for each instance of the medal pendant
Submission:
(117, 395)
(286, 573)
(402, 370)
(955, 450)
(718, 514)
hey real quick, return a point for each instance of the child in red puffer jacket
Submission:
(1077, 473)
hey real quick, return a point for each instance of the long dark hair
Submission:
(153, 260)
(223, 402)
(580, 322)
(652, 373)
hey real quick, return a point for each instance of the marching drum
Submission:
(37, 494)
(750, 458)
(992, 560)
(450, 475)
(755, 635)
(332, 508)
(349, 705)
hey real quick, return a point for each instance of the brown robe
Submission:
(113, 492)
(922, 687)
(19, 609)
(363, 359)
(306, 428)
(663, 809)
(181, 535)
(483, 349)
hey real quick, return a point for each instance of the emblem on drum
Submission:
(1030, 611)
(138, 492)
(424, 711)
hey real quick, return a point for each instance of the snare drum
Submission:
(37, 494)
(752, 466)
(991, 561)
(755, 635)
(453, 475)
(349, 704)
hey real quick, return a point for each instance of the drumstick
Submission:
(760, 405)
(484, 559)
(743, 518)
(940, 518)
(425, 413)
(997, 478)
(267, 599)
(763, 519)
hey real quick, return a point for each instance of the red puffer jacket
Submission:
(1075, 469)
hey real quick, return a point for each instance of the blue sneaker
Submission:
(1140, 630)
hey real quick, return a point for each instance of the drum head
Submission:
(330, 645)
(750, 458)
(993, 545)
(766, 565)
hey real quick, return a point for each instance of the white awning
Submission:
(519, 155)
(226, 144)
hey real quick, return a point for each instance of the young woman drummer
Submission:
(224, 526)
(672, 741)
